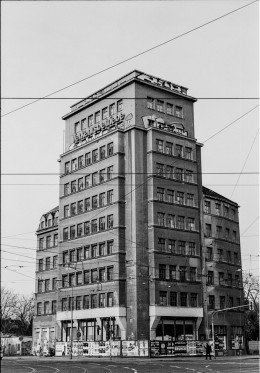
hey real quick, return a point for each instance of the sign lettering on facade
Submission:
(153, 121)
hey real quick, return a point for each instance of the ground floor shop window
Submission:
(175, 329)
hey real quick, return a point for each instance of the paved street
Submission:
(126, 365)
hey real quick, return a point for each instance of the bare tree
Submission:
(8, 305)
(251, 295)
(24, 312)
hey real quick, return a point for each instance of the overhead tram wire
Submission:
(133, 57)
(128, 98)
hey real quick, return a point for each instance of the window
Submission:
(229, 279)
(179, 150)
(78, 303)
(86, 252)
(150, 103)
(87, 159)
(169, 172)
(74, 164)
(102, 152)
(180, 198)
(102, 224)
(219, 231)
(183, 273)
(226, 211)
(64, 304)
(208, 230)
(102, 199)
(87, 181)
(163, 298)
(66, 189)
(53, 307)
(211, 302)
(46, 308)
(190, 199)
(112, 109)
(235, 258)
(192, 249)
(102, 274)
(94, 251)
(94, 226)
(171, 221)
(94, 156)
(80, 207)
(183, 297)
(181, 222)
(80, 183)
(168, 148)
(67, 167)
(47, 285)
(170, 196)
(97, 117)
(169, 109)
(73, 210)
(172, 272)
(40, 282)
(188, 153)
(47, 263)
(73, 186)
(65, 258)
(193, 299)
(227, 233)
(49, 222)
(110, 245)
(94, 178)
(171, 246)
(234, 235)
(109, 173)
(179, 111)
(110, 272)
(159, 169)
(217, 208)
(80, 161)
(210, 278)
(179, 174)
(102, 175)
(72, 255)
(189, 176)
(94, 275)
(161, 244)
(110, 221)
(80, 230)
(110, 300)
(102, 248)
(87, 204)
(173, 299)
(161, 219)
(104, 113)
(160, 105)
(94, 202)
(55, 261)
(159, 145)
(222, 302)
(65, 234)
(207, 207)
(119, 105)
(83, 123)
(79, 254)
(233, 214)
(55, 240)
(102, 300)
(229, 256)
(48, 241)
(109, 196)
(110, 149)
(86, 277)
(72, 231)
(191, 224)
(221, 278)
(71, 303)
(181, 247)
(54, 283)
(209, 253)
(193, 271)
(162, 271)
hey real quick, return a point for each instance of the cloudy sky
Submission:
(47, 46)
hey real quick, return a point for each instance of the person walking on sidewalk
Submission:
(208, 351)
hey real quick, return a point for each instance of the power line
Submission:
(250, 225)
(128, 98)
(132, 57)
(127, 173)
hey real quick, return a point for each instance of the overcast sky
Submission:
(49, 45)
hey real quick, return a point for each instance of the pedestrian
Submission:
(208, 351)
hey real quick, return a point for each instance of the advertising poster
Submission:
(129, 348)
(103, 348)
(191, 348)
(85, 348)
(61, 349)
(170, 348)
(77, 348)
(94, 348)
(163, 348)
(143, 348)
(180, 348)
(237, 342)
(155, 348)
(220, 342)
(115, 348)
(200, 348)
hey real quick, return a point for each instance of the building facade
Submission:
(132, 227)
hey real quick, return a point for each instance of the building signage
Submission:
(174, 127)
(162, 83)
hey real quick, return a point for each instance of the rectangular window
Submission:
(159, 169)
(159, 145)
(193, 299)
(66, 211)
(90, 120)
(178, 111)
(109, 196)
(181, 222)
(65, 234)
(211, 302)
(191, 224)
(54, 307)
(80, 207)
(161, 244)
(234, 235)
(72, 255)
(73, 186)
(102, 300)
(210, 278)
(193, 271)
(102, 248)
(171, 221)
(86, 277)
(229, 256)
(161, 219)
(219, 231)
(209, 253)
(80, 183)
(189, 176)
(183, 298)
(226, 211)
(172, 272)
(74, 164)
(102, 152)
(162, 272)
(102, 223)
(235, 258)
(102, 199)
(110, 245)
(47, 285)
(110, 273)
(160, 106)
(102, 175)
(94, 301)
(163, 298)
(110, 149)
(192, 249)
(72, 232)
(102, 274)
(231, 302)
(97, 117)
(80, 162)
(208, 230)
(65, 258)
(179, 174)
(55, 261)
(87, 181)
(110, 221)
(47, 264)
(222, 302)
(78, 303)
(217, 208)
(110, 173)
(83, 124)
(119, 105)
(229, 279)
(87, 159)
(221, 279)
(104, 113)
(66, 189)
(67, 167)
(79, 254)
(87, 204)
(112, 109)
(94, 251)
(169, 172)
(227, 233)
(94, 155)
(183, 273)
(48, 242)
(40, 282)
(46, 308)
(207, 208)
(80, 230)
(64, 304)
(71, 303)
(94, 275)
(86, 252)
(188, 153)
(181, 248)
(95, 178)
(173, 299)
(168, 148)
(110, 300)
(233, 214)
(94, 202)
(171, 246)
(170, 196)
(180, 198)
(79, 278)
(169, 109)
(178, 150)
(150, 103)
(190, 199)
(73, 209)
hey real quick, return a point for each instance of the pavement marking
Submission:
(84, 369)
(174, 366)
(190, 369)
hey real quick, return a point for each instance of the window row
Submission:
(175, 299)
(226, 233)
(95, 275)
(47, 285)
(179, 273)
(105, 113)
(88, 227)
(177, 150)
(176, 222)
(164, 107)
(84, 302)
(176, 247)
(223, 280)
(46, 308)
(88, 204)
(172, 196)
(89, 180)
(50, 263)
(87, 252)
(48, 223)
(89, 158)
(48, 242)
(224, 302)
(175, 173)
(230, 257)
(219, 209)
